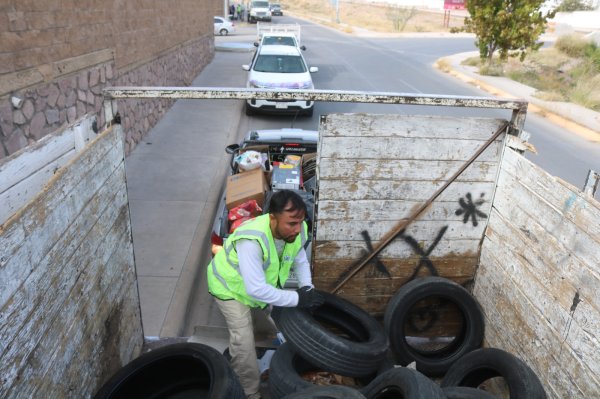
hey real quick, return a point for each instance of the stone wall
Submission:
(56, 57)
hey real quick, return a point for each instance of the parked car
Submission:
(279, 67)
(276, 9)
(276, 144)
(223, 26)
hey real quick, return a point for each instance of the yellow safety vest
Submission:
(224, 278)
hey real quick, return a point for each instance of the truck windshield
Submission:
(280, 64)
(260, 4)
(281, 40)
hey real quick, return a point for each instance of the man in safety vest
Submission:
(250, 271)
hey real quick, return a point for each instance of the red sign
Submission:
(454, 4)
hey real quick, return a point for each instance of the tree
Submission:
(575, 5)
(511, 27)
(400, 16)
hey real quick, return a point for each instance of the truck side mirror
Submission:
(303, 48)
(313, 69)
(246, 67)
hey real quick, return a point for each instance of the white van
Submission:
(279, 67)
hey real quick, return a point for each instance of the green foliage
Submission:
(400, 16)
(572, 45)
(575, 5)
(510, 27)
(578, 47)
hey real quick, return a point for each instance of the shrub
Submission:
(572, 45)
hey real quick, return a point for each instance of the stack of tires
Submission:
(342, 339)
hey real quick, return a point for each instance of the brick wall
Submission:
(57, 56)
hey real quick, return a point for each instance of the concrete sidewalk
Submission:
(174, 178)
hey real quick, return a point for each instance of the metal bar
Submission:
(591, 183)
(389, 237)
(228, 93)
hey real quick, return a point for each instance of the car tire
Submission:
(223, 32)
(327, 392)
(403, 383)
(178, 369)
(249, 110)
(328, 350)
(483, 364)
(467, 393)
(397, 314)
(287, 367)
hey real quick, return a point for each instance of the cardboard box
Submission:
(285, 176)
(245, 186)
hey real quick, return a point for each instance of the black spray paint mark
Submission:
(469, 209)
(424, 260)
(378, 263)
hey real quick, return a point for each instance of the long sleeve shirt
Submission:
(251, 260)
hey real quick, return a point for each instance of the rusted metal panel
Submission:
(539, 275)
(66, 267)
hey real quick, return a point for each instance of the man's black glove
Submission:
(308, 297)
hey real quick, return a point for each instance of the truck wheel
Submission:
(481, 365)
(434, 292)
(187, 369)
(323, 346)
(467, 393)
(403, 383)
(327, 392)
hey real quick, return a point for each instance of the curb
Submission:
(533, 106)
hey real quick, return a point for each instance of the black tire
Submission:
(398, 313)
(314, 342)
(482, 364)
(327, 392)
(405, 383)
(249, 110)
(309, 112)
(467, 393)
(287, 366)
(223, 32)
(179, 369)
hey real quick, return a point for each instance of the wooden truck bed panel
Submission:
(69, 310)
(539, 276)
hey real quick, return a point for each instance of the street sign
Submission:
(454, 4)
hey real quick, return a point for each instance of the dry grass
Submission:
(569, 71)
(373, 17)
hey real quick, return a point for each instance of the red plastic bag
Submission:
(246, 211)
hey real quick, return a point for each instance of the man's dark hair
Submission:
(286, 200)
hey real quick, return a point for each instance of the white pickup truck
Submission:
(263, 30)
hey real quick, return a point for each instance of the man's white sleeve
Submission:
(302, 269)
(250, 258)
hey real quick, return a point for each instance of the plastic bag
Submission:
(246, 211)
(250, 160)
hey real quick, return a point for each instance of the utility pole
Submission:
(225, 10)
(337, 11)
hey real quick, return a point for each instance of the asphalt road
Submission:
(348, 62)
